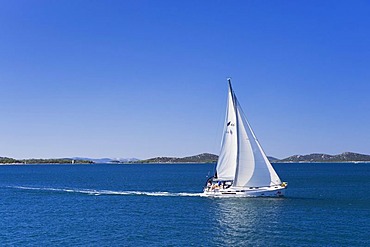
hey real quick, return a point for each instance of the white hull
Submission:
(274, 191)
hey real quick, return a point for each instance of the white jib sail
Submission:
(253, 168)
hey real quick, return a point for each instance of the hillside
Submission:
(211, 158)
(6, 160)
(107, 160)
(200, 158)
(344, 157)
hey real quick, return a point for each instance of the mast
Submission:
(231, 88)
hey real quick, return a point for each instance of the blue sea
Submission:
(159, 205)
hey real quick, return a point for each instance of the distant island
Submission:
(310, 158)
(200, 158)
(344, 157)
(6, 160)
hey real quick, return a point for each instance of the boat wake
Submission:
(106, 192)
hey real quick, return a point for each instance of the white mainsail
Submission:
(226, 164)
(242, 158)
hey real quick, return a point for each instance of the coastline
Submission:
(177, 163)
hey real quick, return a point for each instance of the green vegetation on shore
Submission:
(326, 158)
(6, 160)
(310, 158)
(201, 158)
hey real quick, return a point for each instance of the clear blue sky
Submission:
(148, 78)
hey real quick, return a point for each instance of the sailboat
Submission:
(242, 169)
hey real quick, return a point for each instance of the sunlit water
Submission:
(160, 205)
